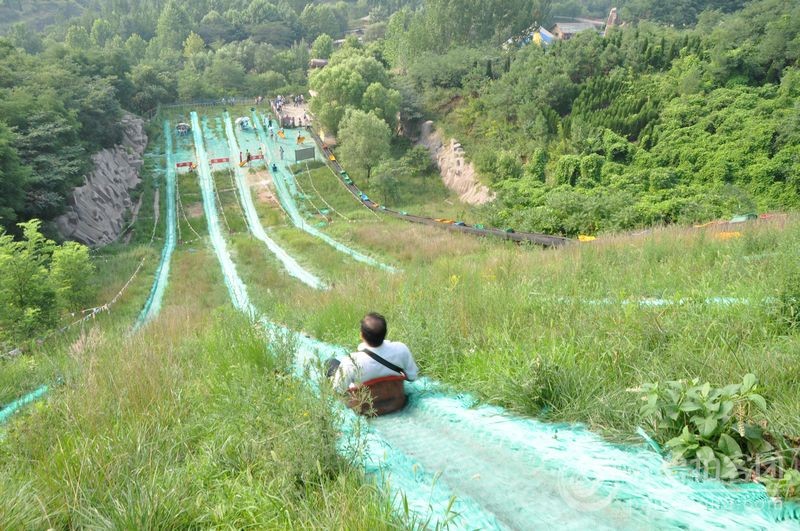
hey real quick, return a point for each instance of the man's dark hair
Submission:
(373, 329)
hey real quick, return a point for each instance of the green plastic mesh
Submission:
(153, 303)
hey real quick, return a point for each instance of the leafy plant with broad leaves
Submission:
(786, 486)
(712, 426)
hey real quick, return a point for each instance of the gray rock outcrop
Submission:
(457, 174)
(97, 209)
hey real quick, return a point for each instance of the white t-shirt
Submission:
(360, 367)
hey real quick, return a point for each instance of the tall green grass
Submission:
(560, 333)
(48, 361)
(192, 424)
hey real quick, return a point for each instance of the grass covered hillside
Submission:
(190, 424)
(198, 420)
(645, 378)
(567, 333)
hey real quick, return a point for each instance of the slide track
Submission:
(284, 184)
(251, 216)
(153, 304)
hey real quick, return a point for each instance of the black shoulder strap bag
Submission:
(388, 364)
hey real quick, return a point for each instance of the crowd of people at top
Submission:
(281, 101)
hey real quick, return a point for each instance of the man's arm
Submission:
(410, 367)
(345, 375)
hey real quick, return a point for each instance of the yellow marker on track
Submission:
(728, 235)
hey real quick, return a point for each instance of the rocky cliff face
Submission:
(458, 174)
(97, 210)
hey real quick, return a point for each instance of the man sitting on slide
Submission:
(379, 365)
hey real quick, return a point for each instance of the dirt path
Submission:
(298, 112)
(260, 182)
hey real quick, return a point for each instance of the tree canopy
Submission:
(39, 280)
(647, 124)
(365, 140)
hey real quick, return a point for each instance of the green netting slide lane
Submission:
(282, 184)
(9, 409)
(153, 304)
(236, 288)
(652, 302)
(254, 223)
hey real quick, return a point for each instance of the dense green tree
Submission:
(364, 140)
(342, 85)
(101, 32)
(99, 113)
(383, 102)
(37, 279)
(13, 177)
(136, 47)
(226, 75)
(78, 38)
(683, 13)
(151, 87)
(173, 26)
(645, 125)
(191, 83)
(22, 36)
(260, 11)
(387, 181)
(318, 19)
(193, 46)
(71, 271)
(322, 48)
(27, 299)
(216, 28)
(268, 83)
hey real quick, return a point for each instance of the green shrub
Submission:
(787, 486)
(71, 273)
(37, 279)
(713, 427)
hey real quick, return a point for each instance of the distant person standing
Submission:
(280, 151)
